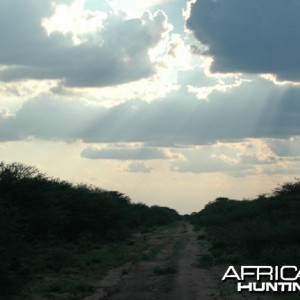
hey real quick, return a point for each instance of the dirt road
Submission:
(181, 270)
(172, 274)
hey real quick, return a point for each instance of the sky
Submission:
(172, 102)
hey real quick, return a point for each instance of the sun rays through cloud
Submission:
(166, 96)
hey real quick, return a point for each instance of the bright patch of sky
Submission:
(132, 7)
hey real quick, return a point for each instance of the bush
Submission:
(38, 212)
(263, 230)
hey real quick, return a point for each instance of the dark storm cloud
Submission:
(252, 110)
(117, 54)
(256, 36)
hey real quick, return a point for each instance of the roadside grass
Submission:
(151, 252)
(201, 237)
(72, 269)
(205, 261)
(69, 286)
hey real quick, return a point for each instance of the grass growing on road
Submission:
(165, 270)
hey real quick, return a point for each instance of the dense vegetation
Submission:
(263, 231)
(52, 228)
(42, 219)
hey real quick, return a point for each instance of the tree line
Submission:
(262, 231)
(38, 210)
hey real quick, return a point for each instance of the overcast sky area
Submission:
(171, 102)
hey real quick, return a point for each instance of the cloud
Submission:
(134, 153)
(253, 159)
(285, 147)
(206, 164)
(114, 50)
(257, 36)
(257, 109)
(243, 158)
(210, 159)
(137, 167)
(287, 167)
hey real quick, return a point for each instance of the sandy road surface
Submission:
(173, 274)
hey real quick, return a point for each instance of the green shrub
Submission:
(263, 230)
(40, 217)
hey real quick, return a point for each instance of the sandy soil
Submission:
(173, 275)
(192, 282)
